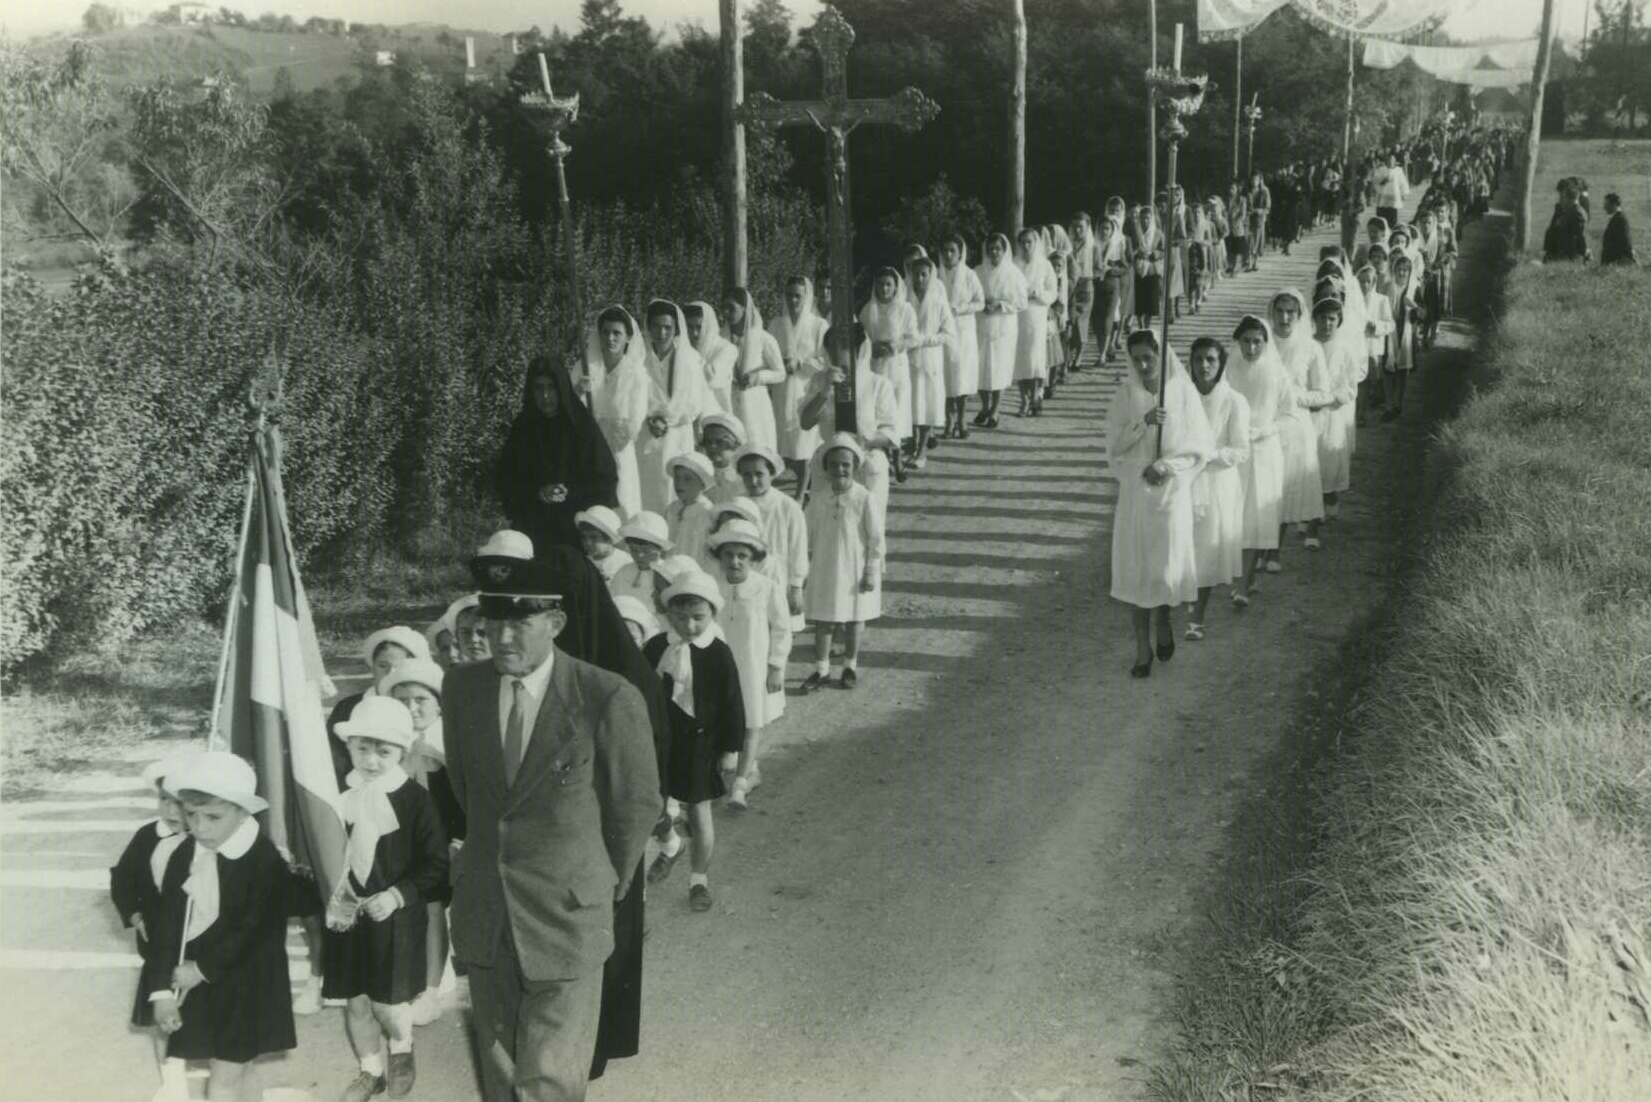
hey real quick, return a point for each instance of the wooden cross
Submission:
(837, 116)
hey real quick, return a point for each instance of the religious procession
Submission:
(721, 520)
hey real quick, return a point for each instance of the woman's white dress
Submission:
(998, 332)
(895, 322)
(1307, 375)
(1266, 393)
(1218, 492)
(1334, 423)
(936, 334)
(963, 355)
(1154, 561)
(756, 624)
(1032, 334)
(621, 409)
(845, 539)
(758, 367)
(681, 396)
(801, 343)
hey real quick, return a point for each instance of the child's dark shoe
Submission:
(402, 1074)
(699, 898)
(661, 868)
(366, 1085)
(850, 679)
(813, 683)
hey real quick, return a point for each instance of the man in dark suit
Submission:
(553, 761)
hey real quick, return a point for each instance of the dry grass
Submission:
(1462, 911)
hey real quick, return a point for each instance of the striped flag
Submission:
(271, 681)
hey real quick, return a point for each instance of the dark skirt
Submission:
(619, 1029)
(1149, 290)
(381, 960)
(143, 1011)
(691, 773)
(242, 1014)
(1238, 246)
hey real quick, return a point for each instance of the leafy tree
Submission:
(102, 18)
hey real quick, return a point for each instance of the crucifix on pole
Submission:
(559, 114)
(837, 116)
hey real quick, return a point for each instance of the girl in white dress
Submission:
(846, 548)
(1304, 366)
(758, 367)
(1032, 332)
(963, 355)
(599, 534)
(875, 411)
(721, 436)
(891, 323)
(647, 539)
(782, 525)
(756, 623)
(936, 332)
(616, 354)
(688, 518)
(1378, 326)
(1334, 420)
(716, 350)
(679, 398)
(800, 333)
(1218, 493)
(1258, 377)
(1154, 564)
(1004, 289)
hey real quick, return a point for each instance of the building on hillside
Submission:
(192, 12)
(386, 58)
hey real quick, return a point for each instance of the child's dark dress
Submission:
(385, 960)
(717, 726)
(132, 888)
(244, 1010)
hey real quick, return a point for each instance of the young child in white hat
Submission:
(756, 621)
(688, 518)
(783, 525)
(647, 538)
(599, 528)
(845, 586)
(216, 973)
(396, 856)
(135, 890)
(707, 714)
(721, 435)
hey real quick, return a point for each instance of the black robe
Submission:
(133, 891)
(1618, 247)
(244, 1010)
(567, 449)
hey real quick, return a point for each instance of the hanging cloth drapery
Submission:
(1220, 20)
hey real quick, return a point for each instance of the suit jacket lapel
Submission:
(551, 727)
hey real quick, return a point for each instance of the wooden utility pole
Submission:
(1544, 54)
(1238, 100)
(734, 258)
(1349, 216)
(1152, 108)
(837, 115)
(1017, 127)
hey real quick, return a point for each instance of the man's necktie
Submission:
(515, 731)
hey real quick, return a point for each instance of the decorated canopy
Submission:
(1367, 19)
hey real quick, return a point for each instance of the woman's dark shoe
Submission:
(1166, 651)
(1141, 669)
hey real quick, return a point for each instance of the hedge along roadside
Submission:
(1472, 918)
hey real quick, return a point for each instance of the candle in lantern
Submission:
(1178, 47)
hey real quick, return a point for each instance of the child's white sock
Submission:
(672, 845)
(851, 663)
(402, 1015)
(406, 1045)
(700, 878)
(823, 668)
(374, 1064)
(174, 1073)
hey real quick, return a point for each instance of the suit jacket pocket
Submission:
(590, 893)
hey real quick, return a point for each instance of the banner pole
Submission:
(233, 617)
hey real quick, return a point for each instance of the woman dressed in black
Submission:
(555, 461)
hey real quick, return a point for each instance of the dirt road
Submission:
(966, 880)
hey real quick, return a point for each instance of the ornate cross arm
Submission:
(908, 109)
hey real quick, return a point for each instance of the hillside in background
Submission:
(138, 55)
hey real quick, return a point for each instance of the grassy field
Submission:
(1618, 166)
(1456, 906)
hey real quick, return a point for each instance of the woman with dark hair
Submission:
(555, 461)
(1218, 490)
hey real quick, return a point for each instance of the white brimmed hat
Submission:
(845, 442)
(763, 452)
(672, 567)
(738, 531)
(160, 772)
(632, 609)
(506, 543)
(223, 775)
(723, 421)
(695, 464)
(417, 672)
(696, 583)
(379, 717)
(647, 527)
(742, 507)
(601, 518)
(404, 637)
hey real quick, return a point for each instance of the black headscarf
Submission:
(596, 633)
(567, 449)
